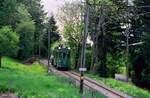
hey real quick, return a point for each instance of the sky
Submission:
(51, 6)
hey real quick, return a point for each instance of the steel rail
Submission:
(90, 81)
(100, 86)
(74, 74)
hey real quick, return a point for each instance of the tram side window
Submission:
(64, 55)
(68, 55)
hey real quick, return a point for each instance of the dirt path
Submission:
(7, 95)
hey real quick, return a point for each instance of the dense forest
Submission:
(119, 33)
(24, 28)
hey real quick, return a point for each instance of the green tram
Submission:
(61, 57)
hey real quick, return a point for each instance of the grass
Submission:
(32, 81)
(127, 88)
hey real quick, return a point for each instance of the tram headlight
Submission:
(59, 47)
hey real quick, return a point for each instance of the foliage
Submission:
(74, 41)
(23, 13)
(26, 30)
(141, 66)
(115, 63)
(38, 15)
(106, 32)
(8, 12)
(129, 89)
(24, 77)
(54, 35)
(33, 81)
(8, 42)
(69, 17)
(88, 59)
(28, 18)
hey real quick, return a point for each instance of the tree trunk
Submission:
(0, 61)
(39, 50)
(97, 33)
(77, 62)
(93, 56)
(79, 57)
(94, 43)
(94, 49)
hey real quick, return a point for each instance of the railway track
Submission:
(96, 86)
(91, 84)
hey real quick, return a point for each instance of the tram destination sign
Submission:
(82, 69)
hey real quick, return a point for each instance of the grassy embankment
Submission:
(129, 89)
(32, 81)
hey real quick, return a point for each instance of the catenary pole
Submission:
(83, 54)
(127, 32)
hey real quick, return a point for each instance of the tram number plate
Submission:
(82, 69)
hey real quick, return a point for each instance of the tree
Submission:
(106, 32)
(26, 30)
(141, 66)
(9, 42)
(70, 18)
(38, 15)
(51, 28)
(35, 9)
(8, 12)
(28, 18)
(146, 28)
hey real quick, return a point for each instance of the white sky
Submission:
(51, 6)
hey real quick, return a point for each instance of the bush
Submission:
(126, 88)
(8, 41)
(88, 59)
(141, 72)
(114, 64)
(26, 33)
